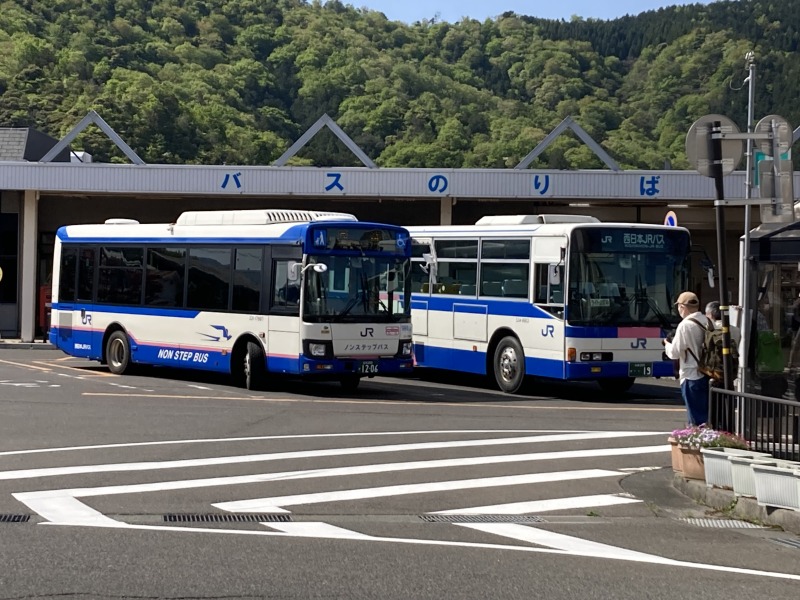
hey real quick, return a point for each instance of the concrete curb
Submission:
(738, 507)
(18, 345)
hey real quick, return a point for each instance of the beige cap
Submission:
(689, 298)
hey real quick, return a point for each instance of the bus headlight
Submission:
(317, 348)
(597, 356)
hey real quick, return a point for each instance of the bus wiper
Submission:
(662, 318)
(348, 307)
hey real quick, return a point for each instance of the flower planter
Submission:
(718, 467)
(692, 462)
(677, 458)
(744, 483)
(777, 485)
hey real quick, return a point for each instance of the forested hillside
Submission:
(237, 81)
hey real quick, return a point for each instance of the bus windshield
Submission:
(626, 277)
(357, 289)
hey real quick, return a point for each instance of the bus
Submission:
(564, 297)
(253, 293)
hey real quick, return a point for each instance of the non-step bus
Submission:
(252, 293)
(556, 296)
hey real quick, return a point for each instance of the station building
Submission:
(44, 185)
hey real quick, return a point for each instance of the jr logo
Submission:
(607, 239)
(549, 331)
(86, 318)
(368, 332)
(640, 343)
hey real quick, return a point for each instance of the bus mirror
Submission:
(710, 274)
(294, 271)
(554, 275)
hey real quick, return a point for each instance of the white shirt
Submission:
(688, 336)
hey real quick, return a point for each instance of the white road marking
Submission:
(50, 501)
(339, 534)
(199, 387)
(24, 366)
(288, 437)
(540, 506)
(66, 510)
(250, 458)
(316, 529)
(275, 505)
(558, 541)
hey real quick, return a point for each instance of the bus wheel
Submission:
(254, 371)
(509, 365)
(118, 352)
(616, 385)
(350, 383)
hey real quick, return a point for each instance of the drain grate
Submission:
(791, 543)
(481, 519)
(721, 523)
(14, 518)
(225, 518)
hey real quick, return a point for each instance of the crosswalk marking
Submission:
(302, 436)
(558, 541)
(273, 505)
(317, 529)
(540, 506)
(227, 460)
(63, 507)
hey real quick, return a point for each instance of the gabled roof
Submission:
(25, 143)
(568, 123)
(325, 121)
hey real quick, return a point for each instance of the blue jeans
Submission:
(695, 397)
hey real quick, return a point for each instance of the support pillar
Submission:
(27, 290)
(446, 211)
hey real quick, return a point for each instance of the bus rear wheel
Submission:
(118, 353)
(253, 370)
(616, 385)
(509, 365)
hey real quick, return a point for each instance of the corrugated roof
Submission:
(12, 143)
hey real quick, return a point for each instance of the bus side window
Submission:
(549, 284)
(285, 294)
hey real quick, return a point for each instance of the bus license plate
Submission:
(369, 367)
(640, 369)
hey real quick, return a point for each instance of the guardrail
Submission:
(769, 424)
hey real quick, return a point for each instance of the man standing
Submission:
(685, 347)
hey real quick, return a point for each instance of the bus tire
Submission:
(350, 383)
(253, 368)
(118, 353)
(509, 365)
(616, 385)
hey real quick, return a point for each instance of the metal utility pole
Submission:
(744, 281)
(719, 209)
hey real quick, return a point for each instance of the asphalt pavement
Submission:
(668, 493)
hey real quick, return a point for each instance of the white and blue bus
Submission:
(251, 293)
(557, 296)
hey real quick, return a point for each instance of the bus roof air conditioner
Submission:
(534, 219)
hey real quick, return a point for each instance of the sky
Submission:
(453, 10)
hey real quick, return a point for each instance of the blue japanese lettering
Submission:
(649, 187)
(335, 183)
(438, 183)
(543, 183)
